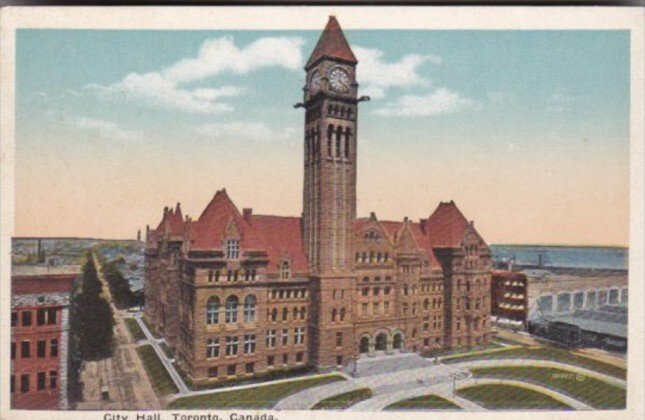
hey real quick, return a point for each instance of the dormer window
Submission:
(232, 249)
(285, 270)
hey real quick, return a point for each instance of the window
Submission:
(271, 338)
(339, 339)
(41, 316)
(231, 309)
(210, 276)
(24, 383)
(26, 319)
(249, 343)
(426, 304)
(14, 319)
(386, 307)
(232, 249)
(300, 335)
(248, 368)
(285, 359)
(375, 308)
(285, 336)
(299, 357)
(212, 372)
(212, 348)
(285, 270)
(334, 315)
(339, 360)
(270, 360)
(342, 314)
(250, 303)
(365, 291)
(231, 346)
(458, 324)
(40, 382)
(212, 310)
(25, 349)
(303, 313)
(274, 314)
(13, 351)
(364, 308)
(41, 347)
(230, 370)
(376, 291)
(285, 313)
(386, 290)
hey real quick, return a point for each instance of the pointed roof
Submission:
(446, 226)
(209, 229)
(332, 44)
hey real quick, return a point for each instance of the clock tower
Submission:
(329, 193)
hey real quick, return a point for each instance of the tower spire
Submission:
(332, 44)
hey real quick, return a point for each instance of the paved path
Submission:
(179, 382)
(544, 364)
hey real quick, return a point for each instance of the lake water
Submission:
(564, 256)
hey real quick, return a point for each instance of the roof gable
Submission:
(446, 226)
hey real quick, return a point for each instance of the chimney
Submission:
(424, 224)
(373, 216)
(247, 212)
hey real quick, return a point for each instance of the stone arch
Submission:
(380, 342)
(398, 341)
(563, 302)
(364, 345)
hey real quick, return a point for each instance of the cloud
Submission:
(376, 75)
(216, 56)
(107, 130)
(254, 131)
(440, 101)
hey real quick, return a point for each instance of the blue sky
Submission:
(490, 119)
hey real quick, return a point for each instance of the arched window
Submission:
(371, 256)
(250, 303)
(285, 313)
(434, 303)
(342, 314)
(339, 133)
(348, 136)
(212, 310)
(274, 314)
(303, 312)
(285, 270)
(330, 133)
(231, 309)
(349, 113)
(426, 304)
(334, 314)
(342, 111)
(295, 313)
(366, 279)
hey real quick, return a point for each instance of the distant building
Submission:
(239, 294)
(39, 340)
(509, 298)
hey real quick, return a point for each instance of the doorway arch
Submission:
(381, 342)
(397, 341)
(364, 345)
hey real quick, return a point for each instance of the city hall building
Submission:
(239, 294)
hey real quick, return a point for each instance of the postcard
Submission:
(279, 213)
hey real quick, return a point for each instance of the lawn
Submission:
(424, 402)
(161, 380)
(545, 353)
(442, 352)
(262, 396)
(344, 400)
(150, 327)
(591, 391)
(509, 397)
(135, 330)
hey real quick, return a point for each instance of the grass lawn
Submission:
(460, 350)
(150, 327)
(170, 353)
(135, 330)
(255, 397)
(545, 353)
(161, 380)
(509, 397)
(425, 402)
(344, 400)
(503, 340)
(591, 391)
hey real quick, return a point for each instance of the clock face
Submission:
(339, 80)
(314, 81)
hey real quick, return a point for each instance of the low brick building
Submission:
(39, 340)
(239, 294)
(509, 298)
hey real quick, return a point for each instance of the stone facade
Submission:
(239, 294)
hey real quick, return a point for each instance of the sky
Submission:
(527, 131)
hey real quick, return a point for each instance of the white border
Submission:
(301, 17)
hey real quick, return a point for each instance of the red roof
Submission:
(276, 235)
(446, 226)
(332, 44)
(176, 221)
